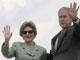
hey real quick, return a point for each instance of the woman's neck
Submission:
(30, 43)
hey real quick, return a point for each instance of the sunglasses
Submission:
(30, 32)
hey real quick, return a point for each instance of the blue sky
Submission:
(42, 12)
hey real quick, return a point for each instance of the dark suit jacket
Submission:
(68, 47)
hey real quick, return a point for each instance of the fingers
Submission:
(7, 33)
(6, 29)
(11, 34)
(70, 5)
(74, 5)
(78, 8)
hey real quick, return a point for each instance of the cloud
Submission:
(11, 3)
(24, 3)
(7, 3)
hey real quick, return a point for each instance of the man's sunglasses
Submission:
(30, 32)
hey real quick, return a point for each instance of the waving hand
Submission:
(7, 34)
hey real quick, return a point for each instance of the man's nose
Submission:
(62, 18)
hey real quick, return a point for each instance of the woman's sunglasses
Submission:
(30, 32)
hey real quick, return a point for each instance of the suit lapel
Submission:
(60, 38)
(35, 50)
(53, 44)
(54, 39)
(26, 49)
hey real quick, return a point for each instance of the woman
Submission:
(26, 50)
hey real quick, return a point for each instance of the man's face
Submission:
(64, 19)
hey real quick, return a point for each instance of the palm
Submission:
(7, 33)
(73, 11)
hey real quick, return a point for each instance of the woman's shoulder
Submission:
(41, 47)
(17, 43)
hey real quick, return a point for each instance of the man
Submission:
(66, 44)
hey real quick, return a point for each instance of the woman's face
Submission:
(28, 34)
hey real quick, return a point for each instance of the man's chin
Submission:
(63, 27)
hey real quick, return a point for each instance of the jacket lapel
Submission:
(35, 50)
(53, 44)
(26, 49)
(60, 38)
